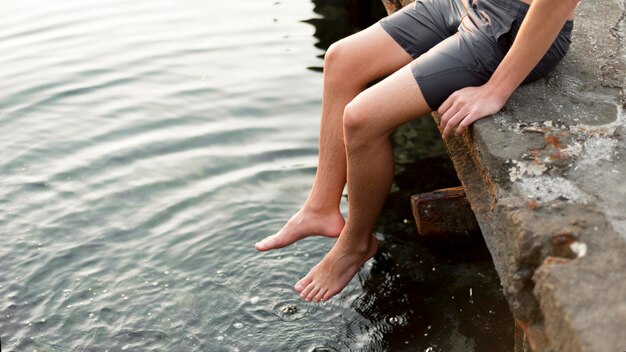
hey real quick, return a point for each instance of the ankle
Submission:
(360, 247)
(321, 208)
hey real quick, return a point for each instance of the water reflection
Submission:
(150, 147)
(339, 19)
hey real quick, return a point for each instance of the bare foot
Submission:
(335, 271)
(303, 224)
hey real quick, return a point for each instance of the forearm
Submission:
(542, 24)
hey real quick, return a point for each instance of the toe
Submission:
(320, 294)
(303, 283)
(266, 243)
(307, 290)
(313, 293)
(328, 295)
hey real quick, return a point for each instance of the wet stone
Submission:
(290, 310)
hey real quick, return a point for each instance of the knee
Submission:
(358, 126)
(337, 60)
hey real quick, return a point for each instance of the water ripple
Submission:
(145, 147)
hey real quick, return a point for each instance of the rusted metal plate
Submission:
(394, 5)
(443, 211)
(521, 341)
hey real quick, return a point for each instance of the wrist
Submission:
(499, 90)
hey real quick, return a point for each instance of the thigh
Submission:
(396, 40)
(421, 86)
(367, 55)
(462, 60)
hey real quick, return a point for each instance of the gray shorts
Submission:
(460, 43)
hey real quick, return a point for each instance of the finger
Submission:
(461, 127)
(454, 121)
(445, 106)
(467, 121)
(452, 105)
(445, 118)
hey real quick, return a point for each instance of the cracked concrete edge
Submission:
(577, 318)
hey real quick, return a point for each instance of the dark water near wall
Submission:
(147, 145)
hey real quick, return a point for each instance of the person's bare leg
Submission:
(349, 65)
(368, 121)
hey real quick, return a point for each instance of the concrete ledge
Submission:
(545, 178)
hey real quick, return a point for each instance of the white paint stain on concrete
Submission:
(596, 149)
(525, 168)
(573, 150)
(548, 188)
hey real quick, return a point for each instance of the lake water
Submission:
(146, 145)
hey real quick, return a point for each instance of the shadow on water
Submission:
(340, 18)
(421, 294)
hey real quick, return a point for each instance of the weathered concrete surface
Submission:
(545, 178)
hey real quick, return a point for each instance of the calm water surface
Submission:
(146, 145)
